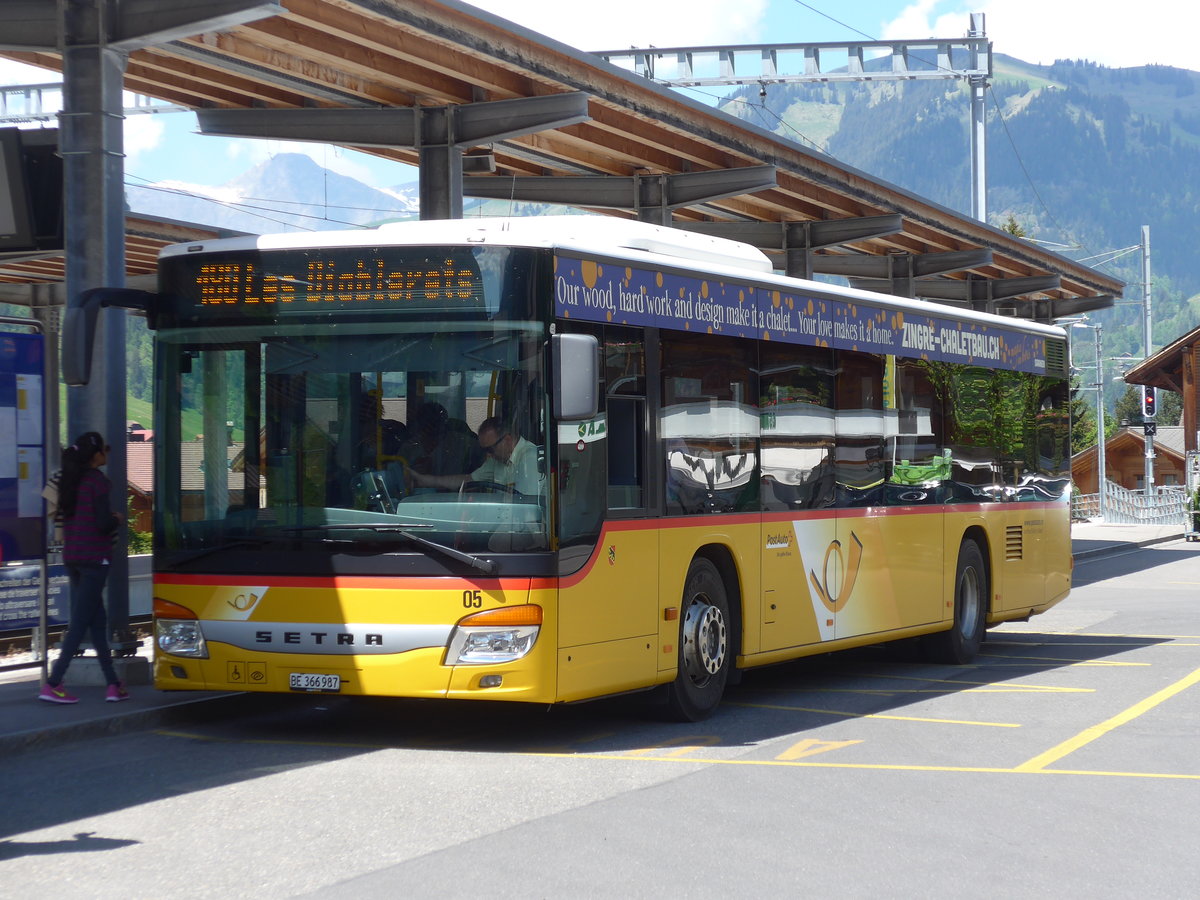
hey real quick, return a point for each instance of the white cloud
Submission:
(1040, 31)
(19, 73)
(624, 23)
(143, 133)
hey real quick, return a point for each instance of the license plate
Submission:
(311, 681)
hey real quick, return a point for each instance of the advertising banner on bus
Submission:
(598, 291)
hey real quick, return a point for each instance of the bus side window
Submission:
(709, 423)
(795, 411)
(625, 393)
(625, 463)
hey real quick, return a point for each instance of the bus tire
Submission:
(959, 645)
(705, 646)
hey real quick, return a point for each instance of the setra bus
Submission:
(554, 459)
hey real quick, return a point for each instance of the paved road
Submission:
(1064, 761)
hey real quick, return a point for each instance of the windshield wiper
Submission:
(404, 529)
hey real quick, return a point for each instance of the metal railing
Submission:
(1166, 506)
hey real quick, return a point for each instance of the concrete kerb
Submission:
(1117, 546)
(193, 709)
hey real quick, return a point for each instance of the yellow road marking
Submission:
(682, 745)
(854, 715)
(1020, 770)
(985, 770)
(1097, 731)
(1100, 663)
(1014, 689)
(566, 748)
(1116, 643)
(1168, 637)
(811, 747)
(1033, 687)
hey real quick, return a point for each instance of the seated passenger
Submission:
(435, 447)
(511, 463)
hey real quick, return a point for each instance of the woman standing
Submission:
(89, 525)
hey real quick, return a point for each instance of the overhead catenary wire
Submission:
(995, 103)
(259, 211)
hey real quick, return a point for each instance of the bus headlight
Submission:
(494, 636)
(176, 630)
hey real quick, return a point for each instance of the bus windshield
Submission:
(387, 437)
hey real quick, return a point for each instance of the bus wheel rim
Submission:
(968, 591)
(705, 640)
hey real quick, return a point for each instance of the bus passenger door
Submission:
(884, 570)
(609, 607)
(797, 492)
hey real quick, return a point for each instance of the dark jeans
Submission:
(87, 615)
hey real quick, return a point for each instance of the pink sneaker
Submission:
(52, 694)
(116, 693)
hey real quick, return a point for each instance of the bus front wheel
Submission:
(959, 645)
(705, 654)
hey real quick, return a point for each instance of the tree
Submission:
(1170, 407)
(1083, 419)
(1128, 408)
(1013, 227)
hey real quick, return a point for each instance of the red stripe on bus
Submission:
(364, 582)
(613, 527)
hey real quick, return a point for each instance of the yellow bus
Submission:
(555, 459)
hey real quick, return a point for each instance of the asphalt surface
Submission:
(27, 724)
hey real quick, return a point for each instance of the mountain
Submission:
(1078, 154)
(317, 199)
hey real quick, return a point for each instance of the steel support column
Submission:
(91, 143)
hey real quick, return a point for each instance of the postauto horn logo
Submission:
(781, 541)
(842, 572)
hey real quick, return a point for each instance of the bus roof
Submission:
(586, 233)
(638, 242)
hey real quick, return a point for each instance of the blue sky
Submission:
(165, 147)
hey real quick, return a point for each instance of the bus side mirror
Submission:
(79, 327)
(576, 376)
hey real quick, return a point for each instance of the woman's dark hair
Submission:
(76, 460)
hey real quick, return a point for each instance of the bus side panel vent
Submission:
(1014, 542)
(1056, 357)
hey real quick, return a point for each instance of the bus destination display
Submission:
(303, 283)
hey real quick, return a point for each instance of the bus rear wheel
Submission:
(705, 654)
(959, 645)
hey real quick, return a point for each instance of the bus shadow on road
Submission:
(768, 703)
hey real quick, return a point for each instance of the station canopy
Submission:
(641, 147)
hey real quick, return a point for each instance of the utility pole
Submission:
(978, 84)
(1149, 476)
(1101, 466)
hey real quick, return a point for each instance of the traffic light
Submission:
(1149, 402)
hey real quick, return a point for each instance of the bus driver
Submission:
(511, 463)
